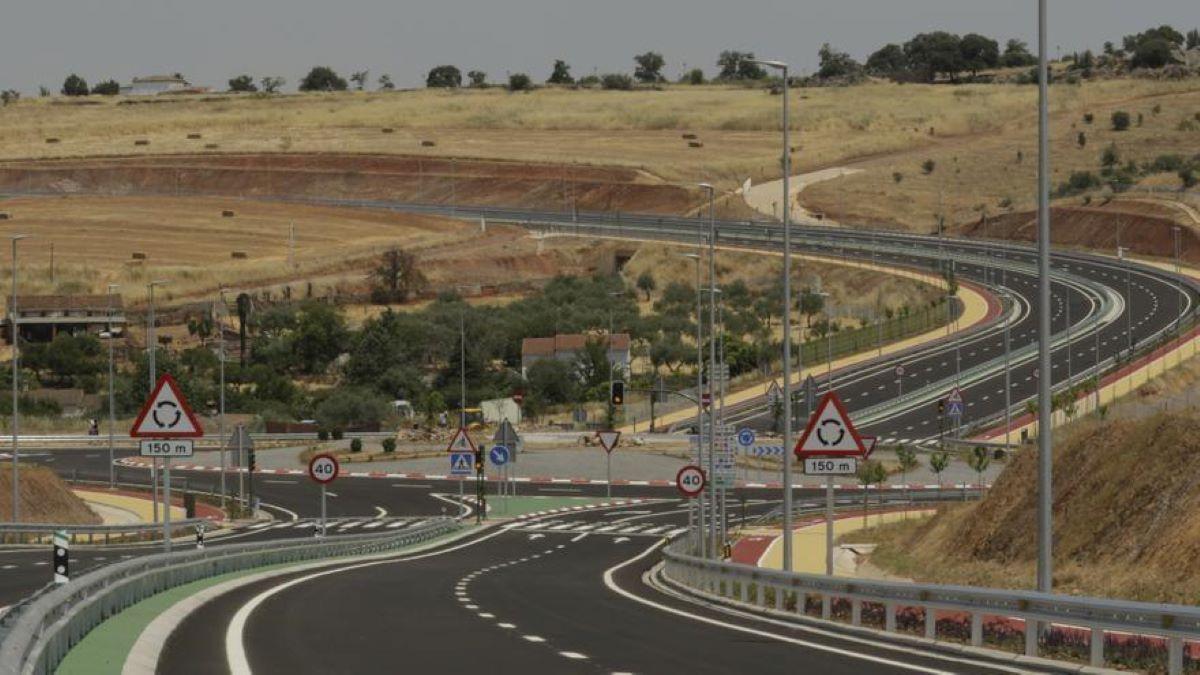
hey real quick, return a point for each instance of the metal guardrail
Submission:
(20, 530)
(212, 441)
(36, 634)
(774, 589)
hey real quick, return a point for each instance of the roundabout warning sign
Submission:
(830, 432)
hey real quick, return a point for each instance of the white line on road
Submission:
(582, 536)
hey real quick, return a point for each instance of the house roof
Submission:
(573, 342)
(57, 303)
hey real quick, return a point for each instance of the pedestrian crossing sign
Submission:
(462, 463)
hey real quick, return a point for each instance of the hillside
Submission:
(1126, 513)
(45, 498)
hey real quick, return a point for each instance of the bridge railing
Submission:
(798, 594)
(37, 633)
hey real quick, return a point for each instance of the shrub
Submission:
(337, 433)
(928, 166)
(106, 88)
(589, 81)
(446, 77)
(1089, 118)
(1141, 119)
(356, 445)
(1079, 181)
(618, 81)
(1188, 177)
(1082, 140)
(1167, 164)
(1110, 157)
(1157, 108)
(322, 78)
(75, 85)
(519, 82)
(322, 434)
(389, 445)
(693, 76)
(897, 176)
(1121, 120)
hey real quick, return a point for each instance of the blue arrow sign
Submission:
(745, 437)
(498, 455)
(462, 464)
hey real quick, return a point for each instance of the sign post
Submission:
(323, 469)
(830, 446)
(507, 436)
(62, 557)
(461, 443)
(609, 440)
(166, 417)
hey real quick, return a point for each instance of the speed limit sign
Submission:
(323, 468)
(690, 480)
(900, 370)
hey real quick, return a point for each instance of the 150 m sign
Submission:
(167, 448)
(831, 466)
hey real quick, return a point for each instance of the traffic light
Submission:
(478, 461)
(617, 393)
(941, 407)
(250, 463)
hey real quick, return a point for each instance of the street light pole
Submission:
(712, 368)
(1045, 578)
(151, 349)
(787, 321)
(700, 538)
(112, 408)
(14, 322)
(220, 321)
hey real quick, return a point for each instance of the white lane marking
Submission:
(398, 523)
(534, 638)
(506, 625)
(486, 615)
(574, 539)
(373, 524)
(380, 512)
(235, 646)
(612, 586)
(292, 515)
(572, 655)
(8, 567)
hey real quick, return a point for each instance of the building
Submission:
(41, 317)
(565, 348)
(152, 85)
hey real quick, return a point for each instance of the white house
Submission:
(155, 84)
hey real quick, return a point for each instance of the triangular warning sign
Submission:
(830, 432)
(608, 439)
(461, 442)
(166, 414)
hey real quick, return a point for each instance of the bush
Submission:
(322, 434)
(897, 176)
(355, 445)
(589, 81)
(106, 88)
(322, 78)
(75, 85)
(447, 77)
(1089, 118)
(619, 81)
(1167, 164)
(693, 76)
(1082, 140)
(389, 445)
(1188, 178)
(1121, 121)
(519, 82)
(337, 433)
(1080, 181)
(928, 166)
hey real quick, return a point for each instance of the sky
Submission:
(209, 41)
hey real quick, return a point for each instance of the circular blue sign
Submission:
(745, 437)
(498, 455)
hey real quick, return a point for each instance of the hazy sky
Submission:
(211, 40)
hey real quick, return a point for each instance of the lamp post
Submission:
(608, 355)
(1045, 578)
(13, 325)
(787, 320)
(219, 317)
(151, 348)
(712, 366)
(699, 396)
(112, 408)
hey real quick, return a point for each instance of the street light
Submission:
(699, 393)
(151, 348)
(1045, 578)
(110, 336)
(14, 322)
(787, 319)
(612, 415)
(712, 363)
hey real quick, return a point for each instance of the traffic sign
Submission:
(166, 414)
(507, 436)
(498, 455)
(462, 463)
(167, 448)
(774, 393)
(608, 439)
(900, 370)
(830, 432)
(690, 480)
(745, 437)
(954, 403)
(240, 439)
(461, 442)
(706, 399)
(323, 468)
(831, 466)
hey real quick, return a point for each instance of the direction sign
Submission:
(167, 448)
(461, 442)
(831, 466)
(462, 463)
(830, 432)
(498, 455)
(608, 439)
(745, 437)
(323, 468)
(166, 414)
(690, 481)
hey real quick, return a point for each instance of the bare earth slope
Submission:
(45, 498)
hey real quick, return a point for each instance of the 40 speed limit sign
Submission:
(323, 468)
(690, 480)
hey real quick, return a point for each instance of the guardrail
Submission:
(211, 442)
(791, 593)
(20, 531)
(36, 634)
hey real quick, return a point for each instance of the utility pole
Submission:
(14, 322)
(220, 321)
(712, 374)
(112, 408)
(700, 539)
(1045, 515)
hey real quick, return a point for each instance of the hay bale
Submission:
(388, 130)
(689, 137)
(227, 213)
(239, 255)
(141, 141)
(138, 255)
(427, 144)
(4, 215)
(695, 144)
(51, 140)
(211, 146)
(194, 137)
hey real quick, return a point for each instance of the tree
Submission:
(107, 88)
(75, 85)
(646, 283)
(359, 78)
(322, 78)
(242, 83)
(618, 81)
(553, 381)
(1153, 53)
(519, 82)
(938, 462)
(870, 472)
(1016, 55)
(835, 63)
(385, 82)
(561, 73)
(1165, 33)
(446, 77)
(397, 277)
(1121, 120)
(979, 459)
(693, 76)
(351, 407)
(888, 61)
(319, 337)
(244, 308)
(478, 78)
(811, 304)
(1110, 158)
(1193, 39)
(272, 83)
(9, 96)
(937, 53)
(649, 67)
(739, 66)
(979, 52)
(908, 461)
